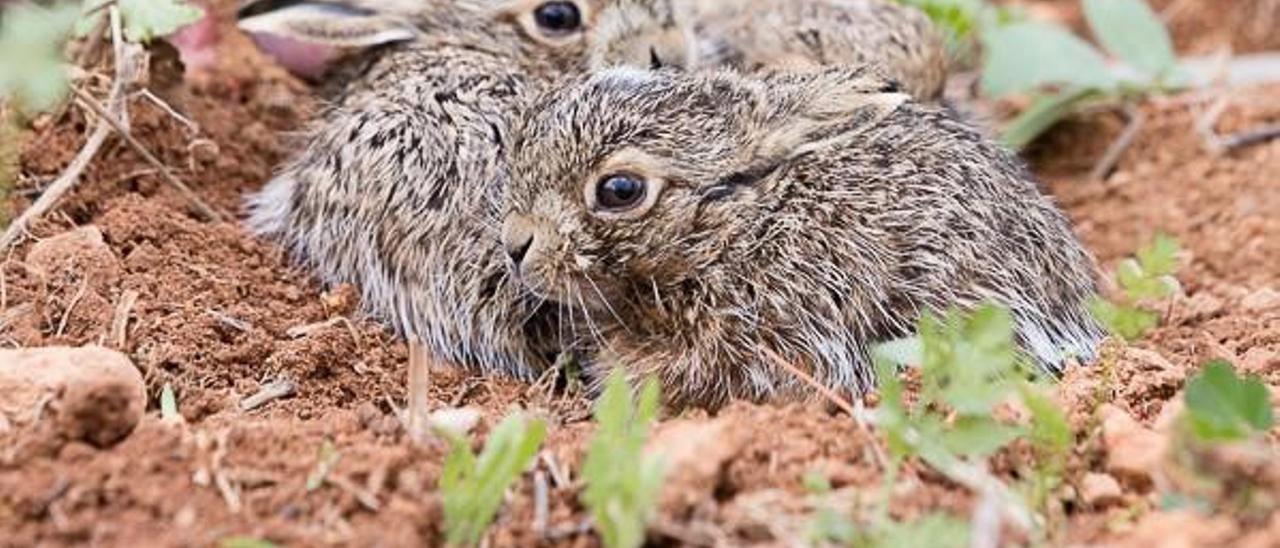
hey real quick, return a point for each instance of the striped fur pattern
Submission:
(811, 215)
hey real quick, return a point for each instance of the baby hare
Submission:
(399, 185)
(696, 221)
(777, 35)
(337, 39)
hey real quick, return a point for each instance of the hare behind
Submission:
(777, 35)
(398, 187)
(697, 219)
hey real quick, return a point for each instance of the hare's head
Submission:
(307, 35)
(643, 33)
(627, 180)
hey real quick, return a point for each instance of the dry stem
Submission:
(419, 384)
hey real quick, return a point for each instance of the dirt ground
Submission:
(219, 314)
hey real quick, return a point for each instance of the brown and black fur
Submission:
(811, 215)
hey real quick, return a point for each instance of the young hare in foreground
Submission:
(697, 220)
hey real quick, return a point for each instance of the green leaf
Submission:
(1161, 257)
(1045, 112)
(1130, 30)
(145, 20)
(978, 436)
(1022, 57)
(816, 483)
(1221, 406)
(1125, 322)
(907, 352)
(622, 482)
(473, 487)
(32, 69)
(1049, 430)
(168, 404)
(935, 530)
(326, 459)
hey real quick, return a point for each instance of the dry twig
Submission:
(1107, 163)
(127, 65)
(195, 201)
(419, 385)
(269, 392)
(859, 418)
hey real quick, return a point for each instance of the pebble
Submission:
(1099, 490)
(90, 393)
(1134, 451)
(1262, 300)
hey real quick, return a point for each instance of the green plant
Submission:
(473, 487)
(622, 482)
(1065, 73)
(1222, 406)
(33, 71)
(1146, 278)
(327, 457)
(969, 365)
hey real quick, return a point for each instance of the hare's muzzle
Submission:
(518, 234)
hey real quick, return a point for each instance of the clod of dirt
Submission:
(1099, 490)
(92, 393)
(81, 252)
(695, 453)
(1262, 300)
(1183, 528)
(1134, 452)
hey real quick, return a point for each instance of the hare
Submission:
(777, 35)
(398, 187)
(699, 221)
(335, 41)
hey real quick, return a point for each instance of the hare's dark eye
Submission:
(558, 17)
(620, 191)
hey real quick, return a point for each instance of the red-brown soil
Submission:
(216, 316)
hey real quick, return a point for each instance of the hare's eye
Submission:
(619, 192)
(558, 17)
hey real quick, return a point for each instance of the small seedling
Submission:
(326, 460)
(969, 364)
(473, 487)
(1066, 74)
(622, 482)
(169, 405)
(34, 73)
(1222, 406)
(1143, 279)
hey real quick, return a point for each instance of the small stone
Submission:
(1150, 360)
(1134, 452)
(1200, 306)
(459, 421)
(81, 251)
(1099, 490)
(367, 413)
(1180, 529)
(1262, 300)
(1259, 360)
(91, 393)
(695, 451)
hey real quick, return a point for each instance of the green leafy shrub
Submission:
(1145, 278)
(473, 488)
(622, 482)
(1065, 73)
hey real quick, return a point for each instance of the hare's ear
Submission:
(651, 34)
(806, 111)
(333, 24)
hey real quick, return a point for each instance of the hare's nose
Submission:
(517, 237)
